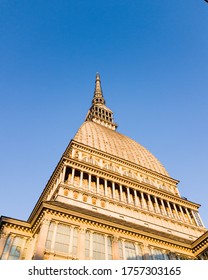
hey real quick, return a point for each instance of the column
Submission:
(106, 247)
(137, 251)
(136, 198)
(144, 205)
(81, 178)
(115, 248)
(157, 205)
(123, 249)
(187, 212)
(97, 185)
(72, 177)
(128, 195)
(63, 174)
(181, 209)
(163, 205)
(91, 245)
(81, 244)
(105, 188)
(89, 185)
(175, 208)
(151, 208)
(113, 189)
(22, 250)
(71, 239)
(3, 240)
(30, 248)
(169, 207)
(42, 236)
(121, 193)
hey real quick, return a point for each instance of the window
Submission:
(62, 238)
(129, 250)
(198, 219)
(98, 246)
(13, 248)
(159, 255)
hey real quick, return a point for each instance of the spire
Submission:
(98, 112)
(98, 94)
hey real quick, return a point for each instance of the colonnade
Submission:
(131, 196)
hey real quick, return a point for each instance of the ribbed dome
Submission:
(112, 142)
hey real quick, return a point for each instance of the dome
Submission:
(112, 142)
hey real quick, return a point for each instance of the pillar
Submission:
(81, 244)
(157, 205)
(81, 178)
(113, 190)
(136, 198)
(181, 209)
(105, 187)
(63, 174)
(72, 177)
(169, 207)
(187, 212)
(42, 236)
(144, 205)
(3, 239)
(89, 183)
(115, 248)
(97, 185)
(163, 205)
(151, 207)
(175, 208)
(121, 195)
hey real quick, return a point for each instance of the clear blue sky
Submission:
(152, 56)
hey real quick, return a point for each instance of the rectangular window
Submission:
(61, 238)
(13, 248)
(50, 236)
(198, 219)
(130, 251)
(98, 247)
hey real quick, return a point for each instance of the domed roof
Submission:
(112, 142)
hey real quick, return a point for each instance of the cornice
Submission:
(200, 244)
(7, 222)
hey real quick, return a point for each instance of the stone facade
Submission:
(108, 198)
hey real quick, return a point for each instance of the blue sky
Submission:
(153, 60)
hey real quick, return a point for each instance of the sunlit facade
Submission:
(108, 198)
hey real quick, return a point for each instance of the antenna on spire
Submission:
(98, 94)
(98, 112)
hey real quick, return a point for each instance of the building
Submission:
(108, 198)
